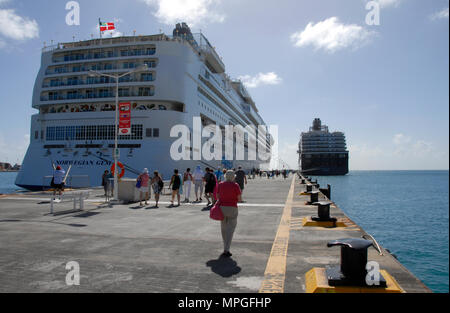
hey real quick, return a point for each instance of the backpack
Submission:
(161, 184)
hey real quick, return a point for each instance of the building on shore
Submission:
(8, 167)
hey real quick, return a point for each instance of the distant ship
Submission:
(75, 123)
(321, 152)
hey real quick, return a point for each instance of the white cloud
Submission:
(270, 78)
(193, 12)
(405, 146)
(443, 14)
(400, 139)
(331, 35)
(16, 27)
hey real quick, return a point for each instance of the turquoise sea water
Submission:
(7, 182)
(407, 213)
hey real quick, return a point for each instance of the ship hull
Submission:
(324, 165)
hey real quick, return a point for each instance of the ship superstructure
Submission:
(322, 152)
(75, 122)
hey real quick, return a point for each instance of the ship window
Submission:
(91, 133)
(147, 77)
(125, 79)
(80, 132)
(151, 51)
(150, 63)
(156, 132)
(145, 92)
(124, 92)
(36, 134)
(148, 132)
(70, 133)
(59, 133)
(162, 107)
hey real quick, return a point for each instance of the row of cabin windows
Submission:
(94, 132)
(73, 81)
(99, 67)
(100, 93)
(90, 132)
(108, 54)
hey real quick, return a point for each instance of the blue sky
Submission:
(385, 86)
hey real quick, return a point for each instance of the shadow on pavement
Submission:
(225, 267)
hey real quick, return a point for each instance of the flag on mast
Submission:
(106, 26)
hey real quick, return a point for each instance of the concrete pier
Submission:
(125, 248)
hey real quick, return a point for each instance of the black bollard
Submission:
(352, 271)
(314, 197)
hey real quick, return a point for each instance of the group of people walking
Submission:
(143, 183)
(221, 187)
(204, 182)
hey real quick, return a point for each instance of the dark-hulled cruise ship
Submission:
(322, 152)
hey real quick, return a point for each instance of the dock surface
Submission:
(126, 248)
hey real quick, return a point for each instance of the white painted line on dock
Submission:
(151, 202)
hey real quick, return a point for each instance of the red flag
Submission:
(107, 26)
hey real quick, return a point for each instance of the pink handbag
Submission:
(216, 212)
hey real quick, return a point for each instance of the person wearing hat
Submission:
(58, 181)
(142, 186)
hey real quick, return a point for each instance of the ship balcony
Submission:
(107, 68)
(213, 87)
(77, 57)
(106, 96)
(213, 59)
(99, 82)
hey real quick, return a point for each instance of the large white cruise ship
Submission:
(76, 118)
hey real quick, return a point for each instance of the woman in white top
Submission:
(187, 181)
(198, 182)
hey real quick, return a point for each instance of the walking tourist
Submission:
(228, 195)
(198, 182)
(142, 186)
(241, 179)
(157, 185)
(175, 182)
(187, 181)
(58, 182)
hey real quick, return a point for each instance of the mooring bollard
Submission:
(324, 210)
(309, 188)
(314, 197)
(352, 270)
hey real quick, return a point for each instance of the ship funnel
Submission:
(317, 124)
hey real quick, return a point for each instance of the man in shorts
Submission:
(58, 182)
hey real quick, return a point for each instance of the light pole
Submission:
(117, 76)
